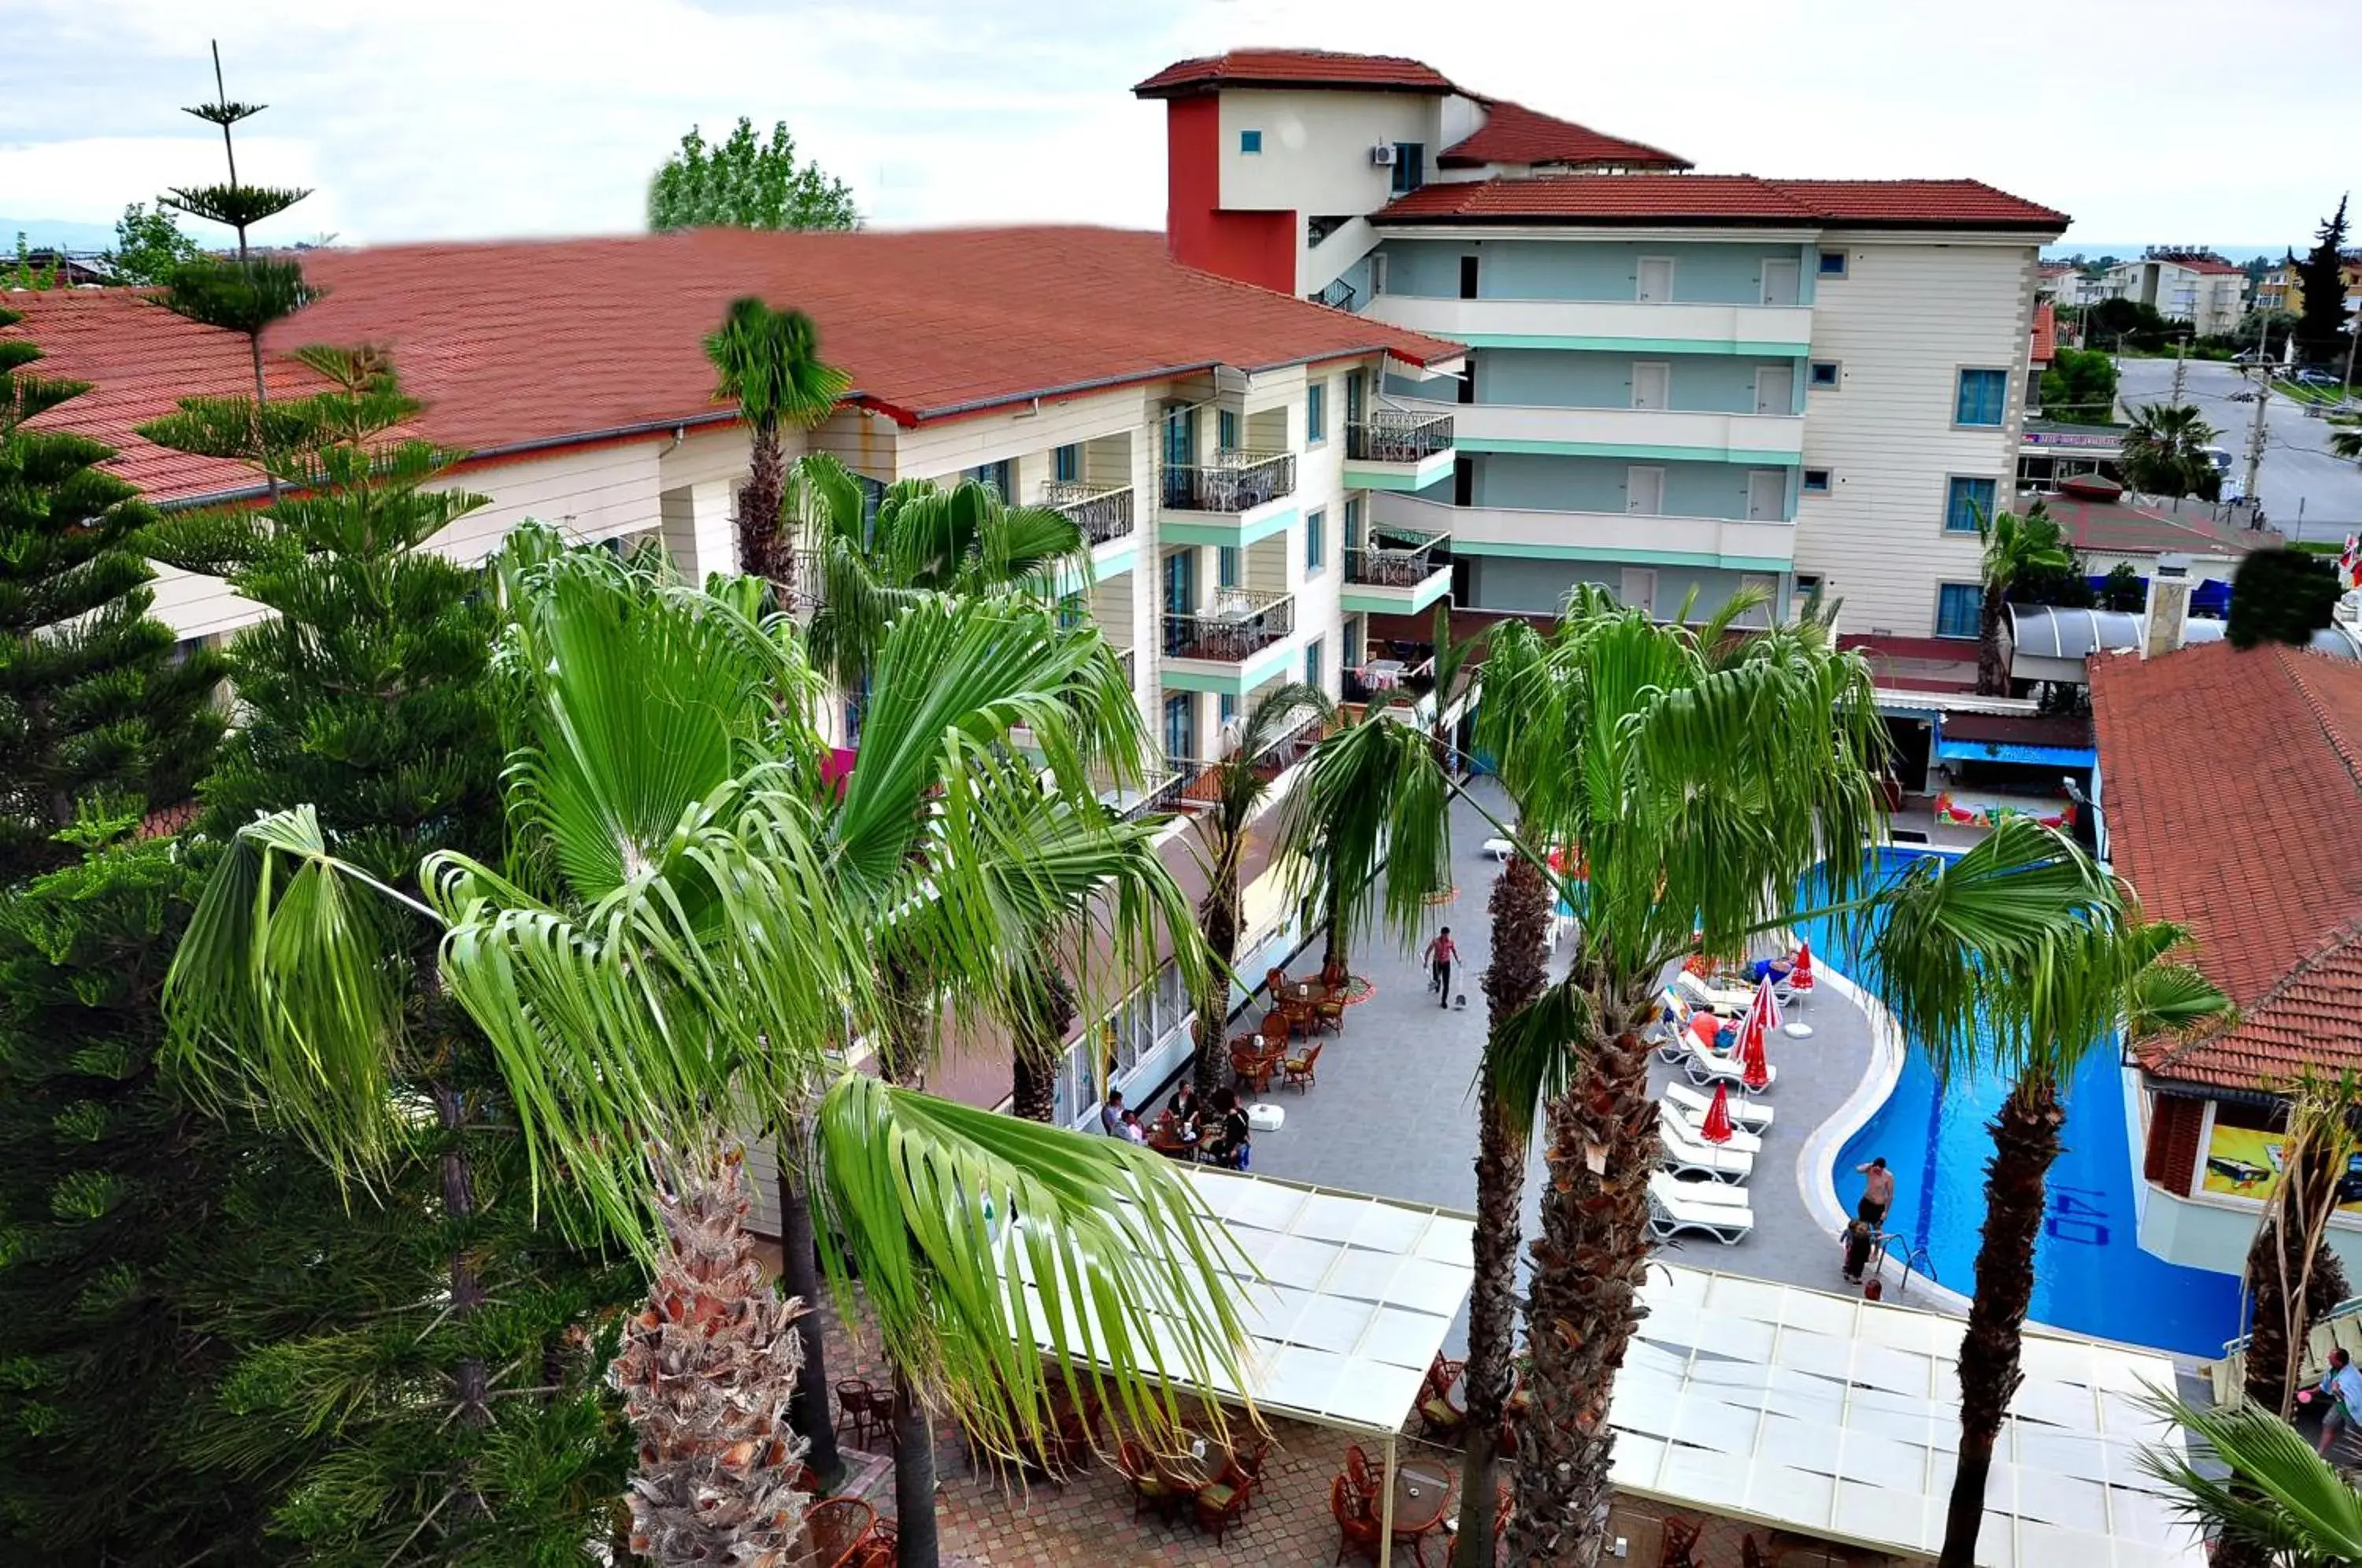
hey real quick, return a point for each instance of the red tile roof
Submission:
(2124, 528)
(2258, 857)
(2046, 333)
(1293, 68)
(1723, 199)
(512, 345)
(1514, 134)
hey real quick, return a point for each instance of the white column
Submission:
(697, 530)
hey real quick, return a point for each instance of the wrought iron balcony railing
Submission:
(1234, 482)
(1405, 560)
(1397, 435)
(1237, 626)
(1103, 511)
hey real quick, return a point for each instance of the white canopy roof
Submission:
(1357, 1296)
(1830, 1415)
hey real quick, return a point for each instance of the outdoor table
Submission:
(1193, 1473)
(1383, 674)
(1422, 1494)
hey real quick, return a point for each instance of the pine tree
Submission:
(94, 703)
(2320, 330)
(450, 1354)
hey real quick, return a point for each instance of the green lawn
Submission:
(2297, 392)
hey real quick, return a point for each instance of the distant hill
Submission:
(43, 234)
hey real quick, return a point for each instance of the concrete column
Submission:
(697, 531)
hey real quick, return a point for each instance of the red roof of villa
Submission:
(2258, 857)
(2046, 333)
(545, 344)
(1514, 134)
(1293, 68)
(1723, 199)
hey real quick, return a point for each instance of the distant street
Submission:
(2299, 475)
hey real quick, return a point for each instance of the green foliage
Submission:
(148, 245)
(26, 275)
(2279, 1498)
(237, 295)
(434, 1399)
(2123, 591)
(239, 206)
(2281, 596)
(2079, 387)
(744, 182)
(94, 703)
(2321, 329)
(2127, 323)
(2165, 452)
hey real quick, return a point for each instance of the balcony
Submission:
(1397, 575)
(1640, 538)
(1236, 644)
(1674, 327)
(1661, 435)
(1398, 449)
(1277, 757)
(1162, 781)
(1103, 511)
(1390, 679)
(1239, 498)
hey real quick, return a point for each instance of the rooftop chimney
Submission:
(2168, 618)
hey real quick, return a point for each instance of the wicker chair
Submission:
(1253, 1067)
(1681, 1541)
(1148, 1489)
(1329, 1015)
(838, 1529)
(1275, 1030)
(1296, 1071)
(1438, 1417)
(1223, 1503)
(1357, 1527)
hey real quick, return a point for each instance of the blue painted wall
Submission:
(1533, 482)
(1704, 273)
(1710, 384)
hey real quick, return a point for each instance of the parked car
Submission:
(2244, 395)
(2312, 376)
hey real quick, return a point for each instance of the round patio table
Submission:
(1193, 1473)
(1422, 1493)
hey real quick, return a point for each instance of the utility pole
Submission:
(2180, 367)
(2256, 445)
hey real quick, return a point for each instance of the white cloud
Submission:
(456, 117)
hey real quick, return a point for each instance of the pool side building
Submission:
(2229, 785)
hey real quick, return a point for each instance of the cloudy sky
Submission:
(2162, 120)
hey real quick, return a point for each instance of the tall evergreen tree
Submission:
(2320, 330)
(93, 701)
(447, 1352)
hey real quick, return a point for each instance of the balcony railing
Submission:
(1163, 782)
(1234, 482)
(1103, 511)
(1396, 435)
(1405, 561)
(1384, 677)
(1237, 626)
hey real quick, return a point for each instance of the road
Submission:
(2299, 479)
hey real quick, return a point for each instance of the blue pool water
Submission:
(2090, 1274)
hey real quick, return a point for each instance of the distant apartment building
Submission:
(2193, 286)
(2283, 289)
(2065, 283)
(1680, 384)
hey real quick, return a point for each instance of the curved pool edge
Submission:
(1816, 1165)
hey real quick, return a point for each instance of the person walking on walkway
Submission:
(2343, 1390)
(1877, 1192)
(1442, 954)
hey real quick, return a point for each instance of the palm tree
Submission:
(2345, 436)
(2013, 547)
(966, 541)
(1230, 797)
(690, 920)
(2045, 1015)
(767, 361)
(1701, 776)
(2281, 1502)
(2165, 452)
(1369, 812)
(2292, 1276)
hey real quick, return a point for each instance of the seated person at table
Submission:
(1111, 1114)
(1230, 1138)
(1183, 1109)
(1133, 1132)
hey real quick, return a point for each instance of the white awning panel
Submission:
(1837, 1418)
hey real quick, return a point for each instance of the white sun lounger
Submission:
(1742, 1142)
(1694, 989)
(1673, 1207)
(1686, 1154)
(1695, 1105)
(1706, 1070)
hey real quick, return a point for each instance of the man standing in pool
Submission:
(1877, 1192)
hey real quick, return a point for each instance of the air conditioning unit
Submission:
(1382, 155)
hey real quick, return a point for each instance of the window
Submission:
(1966, 502)
(1468, 277)
(1378, 273)
(1833, 263)
(1312, 657)
(996, 475)
(1316, 414)
(1226, 566)
(1225, 431)
(1958, 607)
(1315, 541)
(1410, 166)
(1354, 521)
(1229, 705)
(1180, 727)
(1825, 373)
(1984, 397)
(1068, 464)
(1808, 583)
(1250, 141)
(1816, 482)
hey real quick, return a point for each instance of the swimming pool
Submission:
(2090, 1274)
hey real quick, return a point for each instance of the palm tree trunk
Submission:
(1218, 913)
(1600, 1144)
(2281, 1276)
(1520, 969)
(1033, 1068)
(914, 1479)
(760, 532)
(1992, 678)
(808, 1411)
(2025, 1142)
(1332, 950)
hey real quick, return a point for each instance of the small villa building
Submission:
(2230, 784)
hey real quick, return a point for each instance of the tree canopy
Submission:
(149, 244)
(746, 182)
(2321, 274)
(2079, 387)
(2281, 596)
